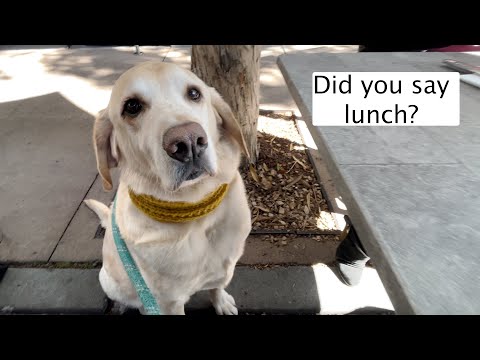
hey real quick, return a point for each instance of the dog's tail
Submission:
(100, 209)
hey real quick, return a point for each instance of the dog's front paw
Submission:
(223, 302)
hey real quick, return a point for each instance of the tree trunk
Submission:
(234, 71)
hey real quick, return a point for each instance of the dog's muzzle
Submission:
(186, 144)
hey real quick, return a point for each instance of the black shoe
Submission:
(351, 258)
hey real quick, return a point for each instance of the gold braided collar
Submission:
(177, 212)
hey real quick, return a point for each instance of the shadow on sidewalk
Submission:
(99, 65)
(46, 167)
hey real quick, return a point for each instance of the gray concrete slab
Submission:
(281, 289)
(301, 290)
(463, 142)
(79, 243)
(315, 49)
(425, 242)
(469, 155)
(30, 47)
(470, 98)
(180, 55)
(276, 290)
(418, 218)
(271, 50)
(374, 145)
(101, 66)
(40, 291)
(46, 167)
(274, 94)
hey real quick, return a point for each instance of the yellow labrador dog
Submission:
(175, 141)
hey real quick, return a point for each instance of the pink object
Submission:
(457, 48)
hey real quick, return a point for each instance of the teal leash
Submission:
(148, 300)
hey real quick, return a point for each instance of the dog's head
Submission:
(164, 122)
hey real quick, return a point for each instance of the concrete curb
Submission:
(51, 291)
(276, 290)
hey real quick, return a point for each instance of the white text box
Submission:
(386, 98)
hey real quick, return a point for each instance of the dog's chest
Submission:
(187, 265)
(178, 260)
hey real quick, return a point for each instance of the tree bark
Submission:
(234, 71)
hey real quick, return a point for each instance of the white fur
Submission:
(175, 259)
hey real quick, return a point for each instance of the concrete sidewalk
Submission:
(48, 100)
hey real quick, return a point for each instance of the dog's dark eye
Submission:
(194, 94)
(132, 107)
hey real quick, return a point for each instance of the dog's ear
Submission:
(228, 120)
(105, 147)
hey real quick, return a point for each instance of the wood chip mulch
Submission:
(282, 188)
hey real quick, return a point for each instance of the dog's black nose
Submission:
(186, 142)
